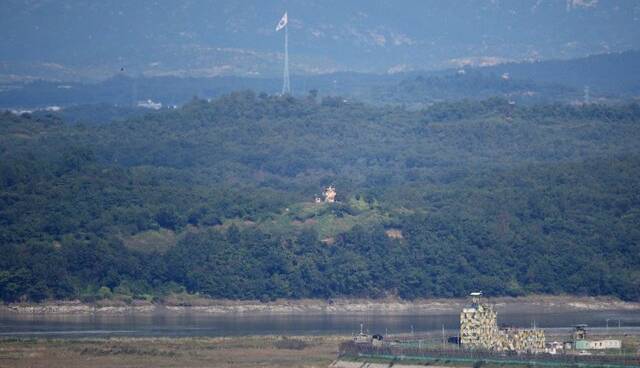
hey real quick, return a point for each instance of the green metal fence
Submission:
(390, 352)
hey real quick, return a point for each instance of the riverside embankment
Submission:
(322, 306)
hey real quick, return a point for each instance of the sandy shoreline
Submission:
(317, 306)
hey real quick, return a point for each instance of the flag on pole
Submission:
(282, 23)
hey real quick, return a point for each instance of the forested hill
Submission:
(611, 78)
(610, 73)
(472, 84)
(217, 198)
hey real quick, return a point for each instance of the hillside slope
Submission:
(217, 198)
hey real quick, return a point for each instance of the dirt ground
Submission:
(258, 351)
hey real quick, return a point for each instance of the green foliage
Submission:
(290, 344)
(216, 198)
(104, 293)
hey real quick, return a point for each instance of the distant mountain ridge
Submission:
(606, 73)
(79, 40)
(610, 77)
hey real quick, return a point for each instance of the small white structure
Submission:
(148, 104)
(554, 347)
(605, 344)
(362, 338)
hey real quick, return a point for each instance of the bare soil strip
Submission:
(336, 306)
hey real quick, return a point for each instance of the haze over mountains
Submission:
(610, 78)
(78, 40)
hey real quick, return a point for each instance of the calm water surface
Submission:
(166, 324)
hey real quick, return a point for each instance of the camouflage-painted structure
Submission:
(478, 327)
(479, 330)
(329, 194)
(522, 340)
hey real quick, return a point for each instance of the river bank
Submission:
(318, 306)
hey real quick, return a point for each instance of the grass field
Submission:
(187, 352)
(262, 351)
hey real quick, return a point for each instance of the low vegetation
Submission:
(249, 351)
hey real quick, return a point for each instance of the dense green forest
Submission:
(217, 198)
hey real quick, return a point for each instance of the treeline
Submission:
(474, 85)
(610, 77)
(606, 74)
(484, 195)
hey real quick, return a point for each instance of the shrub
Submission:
(291, 344)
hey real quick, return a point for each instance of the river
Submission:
(165, 324)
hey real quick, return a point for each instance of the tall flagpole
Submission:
(286, 83)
